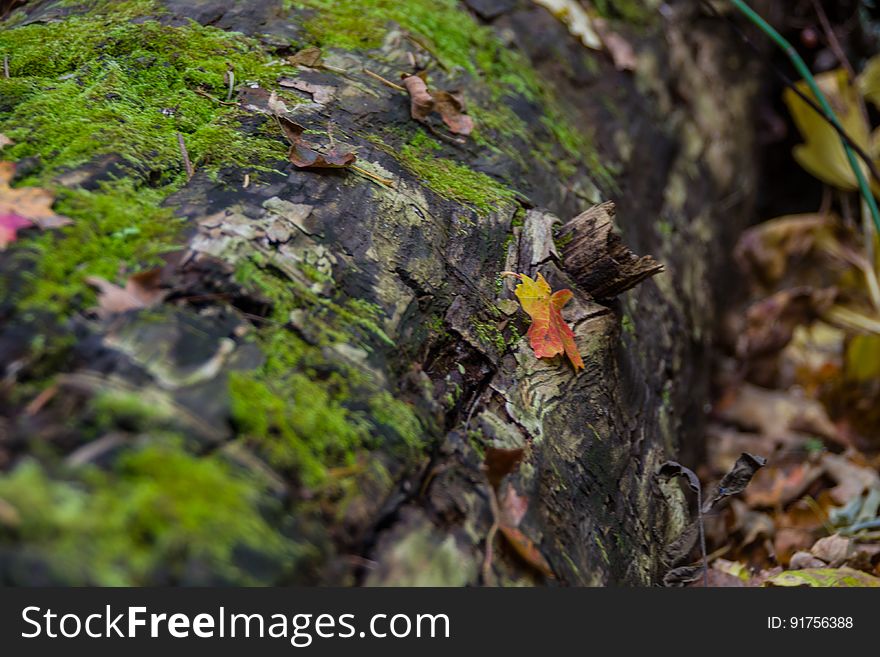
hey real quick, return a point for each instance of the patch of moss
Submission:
(450, 179)
(441, 26)
(296, 408)
(298, 425)
(459, 42)
(112, 409)
(96, 85)
(488, 333)
(160, 513)
(632, 11)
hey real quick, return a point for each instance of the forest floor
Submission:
(798, 379)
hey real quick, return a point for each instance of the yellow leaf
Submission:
(549, 335)
(869, 81)
(822, 154)
(824, 578)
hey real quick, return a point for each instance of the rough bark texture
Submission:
(345, 351)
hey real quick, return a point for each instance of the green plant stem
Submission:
(804, 71)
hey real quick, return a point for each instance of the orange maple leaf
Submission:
(549, 335)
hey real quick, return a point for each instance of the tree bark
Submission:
(376, 473)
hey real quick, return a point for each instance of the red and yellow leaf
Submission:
(549, 335)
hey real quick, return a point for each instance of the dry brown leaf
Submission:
(775, 413)
(303, 154)
(771, 322)
(501, 462)
(852, 480)
(5, 141)
(765, 250)
(320, 93)
(526, 549)
(802, 559)
(310, 56)
(421, 102)
(834, 550)
(449, 105)
(776, 486)
(142, 290)
(31, 203)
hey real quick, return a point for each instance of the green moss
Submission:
(98, 85)
(300, 426)
(160, 508)
(399, 417)
(119, 223)
(113, 409)
(447, 32)
(632, 11)
(489, 334)
(453, 180)
(460, 43)
(296, 408)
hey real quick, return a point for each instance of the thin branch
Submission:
(384, 81)
(202, 92)
(186, 161)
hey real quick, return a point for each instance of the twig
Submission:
(384, 81)
(186, 161)
(833, 41)
(41, 400)
(230, 79)
(202, 92)
(372, 176)
(702, 539)
(490, 536)
(6, 66)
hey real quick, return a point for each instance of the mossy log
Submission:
(309, 394)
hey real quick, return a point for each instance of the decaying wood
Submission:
(597, 258)
(591, 441)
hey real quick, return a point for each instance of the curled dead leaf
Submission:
(501, 462)
(303, 154)
(142, 290)
(675, 469)
(736, 480)
(770, 323)
(449, 105)
(310, 56)
(33, 204)
(526, 549)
